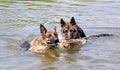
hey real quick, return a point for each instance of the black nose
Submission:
(57, 41)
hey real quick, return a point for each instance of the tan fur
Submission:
(71, 42)
(39, 44)
(72, 34)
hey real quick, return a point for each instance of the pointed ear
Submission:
(62, 22)
(42, 29)
(55, 28)
(73, 22)
(55, 31)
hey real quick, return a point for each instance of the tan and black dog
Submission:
(47, 40)
(71, 32)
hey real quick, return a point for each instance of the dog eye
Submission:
(65, 31)
(49, 35)
(71, 30)
(74, 30)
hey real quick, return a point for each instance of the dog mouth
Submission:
(55, 42)
(49, 42)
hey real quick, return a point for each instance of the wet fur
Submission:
(47, 40)
(70, 30)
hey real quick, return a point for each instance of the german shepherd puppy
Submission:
(47, 40)
(71, 31)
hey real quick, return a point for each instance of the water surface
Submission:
(20, 20)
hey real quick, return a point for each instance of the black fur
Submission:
(81, 33)
(25, 45)
(99, 35)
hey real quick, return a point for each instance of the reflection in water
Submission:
(71, 49)
(20, 20)
(52, 55)
(50, 68)
(49, 56)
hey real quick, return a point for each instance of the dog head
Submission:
(69, 29)
(49, 36)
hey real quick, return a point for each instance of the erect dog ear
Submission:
(56, 34)
(73, 22)
(55, 28)
(62, 22)
(42, 29)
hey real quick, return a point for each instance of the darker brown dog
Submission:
(71, 32)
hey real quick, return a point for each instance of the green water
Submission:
(20, 20)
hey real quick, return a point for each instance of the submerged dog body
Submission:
(71, 32)
(47, 40)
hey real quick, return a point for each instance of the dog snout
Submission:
(49, 42)
(57, 41)
(53, 41)
(69, 36)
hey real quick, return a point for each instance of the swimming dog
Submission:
(47, 40)
(71, 33)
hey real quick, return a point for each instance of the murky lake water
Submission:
(20, 20)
